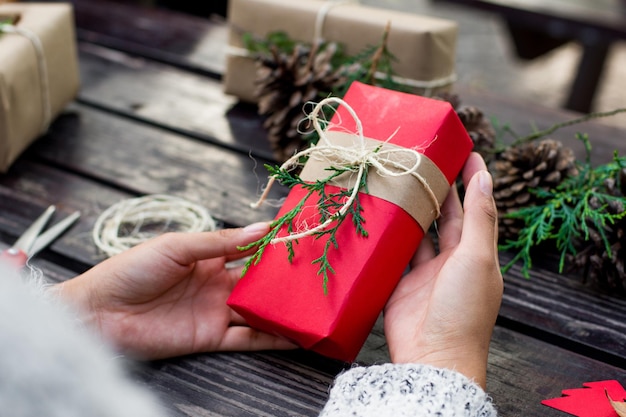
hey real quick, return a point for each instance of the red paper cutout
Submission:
(590, 401)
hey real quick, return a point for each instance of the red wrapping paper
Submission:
(288, 299)
(591, 400)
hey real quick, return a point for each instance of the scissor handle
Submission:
(14, 258)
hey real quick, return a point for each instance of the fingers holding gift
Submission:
(450, 222)
(243, 338)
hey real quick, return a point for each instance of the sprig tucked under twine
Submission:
(133, 221)
(333, 208)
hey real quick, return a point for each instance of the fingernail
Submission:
(256, 228)
(485, 182)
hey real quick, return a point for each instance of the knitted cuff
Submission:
(406, 390)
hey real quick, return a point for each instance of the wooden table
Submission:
(151, 118)
(538, 26)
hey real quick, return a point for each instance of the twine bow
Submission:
(358, 159)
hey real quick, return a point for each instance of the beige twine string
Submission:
(358, 158)
(321, 18)
(41, 66)
(172, 213)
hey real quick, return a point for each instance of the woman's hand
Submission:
(167, 297)
(443, 311)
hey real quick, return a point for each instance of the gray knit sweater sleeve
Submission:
(406, 390)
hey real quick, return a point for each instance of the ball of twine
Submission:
(132, 221)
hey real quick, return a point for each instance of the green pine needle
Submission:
(566, 215)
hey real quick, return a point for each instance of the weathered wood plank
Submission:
(91, 160)
(28, 188)
(524, 118)
(195, 43)
(522, 372)
(141, 159)
(241, 384)
(581, 317)
(169, 97)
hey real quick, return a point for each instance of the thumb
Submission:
(480, 224)
(187, 248)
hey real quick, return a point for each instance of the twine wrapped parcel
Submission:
(38, 72)
(424, 46)
(42, 68)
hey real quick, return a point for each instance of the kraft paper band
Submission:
(406, 191)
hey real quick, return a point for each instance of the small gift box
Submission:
(38, 72)
(424, 139)
(424, 47)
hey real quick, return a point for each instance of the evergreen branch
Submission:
(275, 227)
(545, 132)
(328, 206)
(568, 213)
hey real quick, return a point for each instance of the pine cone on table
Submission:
(480, 130)
(285, 83)
(478, 127)
(451, 98)
(519, 169)
(601, 267)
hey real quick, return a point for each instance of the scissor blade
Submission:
(25, 242)
(49, 235)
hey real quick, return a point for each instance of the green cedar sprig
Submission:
(328, 205)
(504, 130)
(566, 214)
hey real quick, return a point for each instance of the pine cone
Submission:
(478, 127)
(480, 130)
(601, 267)
(521, 168)
(285, 83)
(451, 98)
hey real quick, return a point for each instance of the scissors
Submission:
(33, 240)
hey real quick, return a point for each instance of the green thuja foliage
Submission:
(328, 206)
(566, 215)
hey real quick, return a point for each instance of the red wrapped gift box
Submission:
(288, 299)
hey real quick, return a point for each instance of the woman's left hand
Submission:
(167, 297)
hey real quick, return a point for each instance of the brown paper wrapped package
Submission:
(22, 107)
(425, 47)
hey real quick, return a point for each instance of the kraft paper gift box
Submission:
(425, 47)
(36, 82)
(288, 299)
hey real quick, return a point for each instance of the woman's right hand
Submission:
(442, 313)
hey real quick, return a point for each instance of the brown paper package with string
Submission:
(38, 72)
(425, 47)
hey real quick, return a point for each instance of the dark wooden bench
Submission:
(151, 118)
(538, 26)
